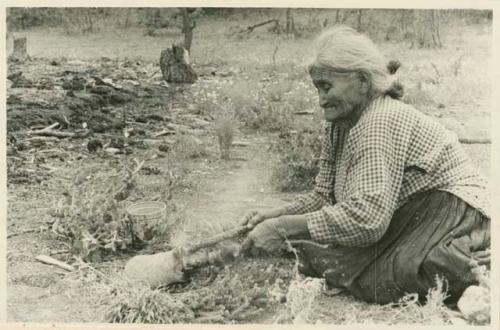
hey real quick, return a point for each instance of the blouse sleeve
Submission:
(372, 186)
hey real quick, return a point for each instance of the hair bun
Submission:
(393, 66)
(396, 91)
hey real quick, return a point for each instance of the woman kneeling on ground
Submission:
(397, 201)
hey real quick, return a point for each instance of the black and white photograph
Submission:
(249, 165)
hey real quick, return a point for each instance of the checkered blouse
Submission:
(370, 170)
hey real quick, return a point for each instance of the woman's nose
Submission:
(323, 101)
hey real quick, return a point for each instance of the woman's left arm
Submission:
(372, 186)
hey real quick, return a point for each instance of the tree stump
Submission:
(20, 50)
(175, 66)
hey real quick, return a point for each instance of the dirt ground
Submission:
(34, 290)
(240, 186)
(214, 193)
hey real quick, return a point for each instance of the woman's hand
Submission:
(268, 237)
(253, 218)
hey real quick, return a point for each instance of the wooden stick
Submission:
(211, 241)
(303, 241)
(240, 144)
(303, 113)
(474, 141)
(54, 262)
(252, 27)
(42, 138)
(49, 128)
(57, 134)
(27, 231)
(162, 133)
(123, 192)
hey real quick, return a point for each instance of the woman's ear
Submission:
(365, 82)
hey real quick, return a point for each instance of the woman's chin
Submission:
(331, 118)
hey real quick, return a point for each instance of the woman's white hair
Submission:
(343, 49)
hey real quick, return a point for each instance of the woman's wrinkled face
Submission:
(340, 94)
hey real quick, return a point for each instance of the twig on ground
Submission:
(164, 132)
(474, 141)
(52, 253)
(54, 262)
(27, 231)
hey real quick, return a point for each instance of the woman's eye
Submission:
(325, 86)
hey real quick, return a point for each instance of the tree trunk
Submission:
(290, 22)
(127, 17)
(345, 15)
(188, 24)
(426, 32)
(360, 15)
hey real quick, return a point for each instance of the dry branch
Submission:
(303, 113)
(57, 134)
(240, 144)
(252, 27)
(163, 133)
(124, 191)
(27, 231)
(54, 262)
(42, 139)
(211, 241)
(50, 132)
(474, 141)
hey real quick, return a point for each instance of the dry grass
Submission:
(225, 126)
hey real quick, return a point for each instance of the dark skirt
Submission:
(433, 234)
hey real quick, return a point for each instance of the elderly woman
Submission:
(397, 201)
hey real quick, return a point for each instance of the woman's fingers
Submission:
(247, 218)
(256, 219)
(482, 257)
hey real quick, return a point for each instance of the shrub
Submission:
(187, 146)
(298, 162)
(246, 103)
(225, 128)
(90, 215)
(25, 18)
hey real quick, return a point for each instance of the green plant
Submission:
(225, 126)
(187, 146)
(298, 162)
(91, 215)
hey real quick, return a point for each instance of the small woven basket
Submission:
(143, 213)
